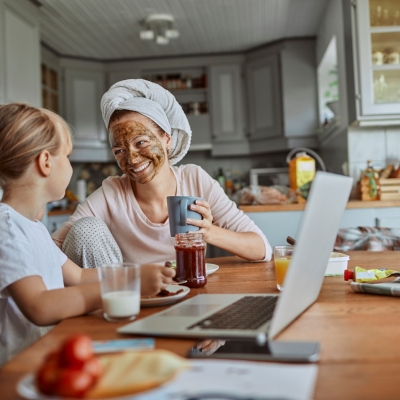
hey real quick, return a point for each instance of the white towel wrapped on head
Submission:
(154, 102)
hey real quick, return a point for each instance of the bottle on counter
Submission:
(81, 190)
(221, 178)
(236, 186)
(236, 181)
(368, 185)
(228, 183)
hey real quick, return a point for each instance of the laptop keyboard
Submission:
(249, 312)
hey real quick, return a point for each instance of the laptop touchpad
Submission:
(190, 310)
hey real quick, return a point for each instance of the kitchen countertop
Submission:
(66, 211)
(301, 206)
(280, 207)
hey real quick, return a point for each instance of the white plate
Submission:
(161, 301)
(26, 388)
(211, 268)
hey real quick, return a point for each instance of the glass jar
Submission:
(190, 259)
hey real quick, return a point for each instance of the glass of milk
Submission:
(120, 291)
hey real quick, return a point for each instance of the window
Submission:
(328, 93)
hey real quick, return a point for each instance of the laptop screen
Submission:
(314, 242)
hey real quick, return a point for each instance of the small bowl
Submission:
(337, 264)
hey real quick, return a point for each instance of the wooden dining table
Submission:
(359, 333)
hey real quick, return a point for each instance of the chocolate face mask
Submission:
(139, 152)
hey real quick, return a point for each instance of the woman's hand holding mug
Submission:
(205, 224)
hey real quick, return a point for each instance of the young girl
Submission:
(34, 170)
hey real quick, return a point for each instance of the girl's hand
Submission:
(154, 278)
(209, 346)
(205, 225)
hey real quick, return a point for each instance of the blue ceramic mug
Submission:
(179, 211)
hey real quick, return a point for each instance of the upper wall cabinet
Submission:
(263, 89)
(19, 53)
(226, 106)
(282, 96)
(83, 92)
(376, 39)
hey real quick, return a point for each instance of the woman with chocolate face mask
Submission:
(127, 217)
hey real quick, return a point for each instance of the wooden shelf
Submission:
(188, 91)
(67, 211)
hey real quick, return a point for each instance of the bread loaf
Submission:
(133, 372)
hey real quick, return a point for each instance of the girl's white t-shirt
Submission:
(143, 241)
(26, 249)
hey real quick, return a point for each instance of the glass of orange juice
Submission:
(282, 257)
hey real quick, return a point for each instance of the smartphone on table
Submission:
(278, 351)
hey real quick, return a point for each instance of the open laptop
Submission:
(263, 316)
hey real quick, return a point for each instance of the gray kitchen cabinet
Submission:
(201, 138)
(19, 53)
(375, 67)
(83, 92)
(277, 226)
(282, 96)
(263, 90)
(226, 109)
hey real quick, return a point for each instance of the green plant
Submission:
(330, 94)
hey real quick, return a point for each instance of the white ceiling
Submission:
(109, 29)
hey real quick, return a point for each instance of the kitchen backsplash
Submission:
(95, 173)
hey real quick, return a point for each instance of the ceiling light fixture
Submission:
(159, 27)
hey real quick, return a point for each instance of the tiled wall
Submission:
(380, 145)
(334, 152)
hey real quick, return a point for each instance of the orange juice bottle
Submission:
(301, 174)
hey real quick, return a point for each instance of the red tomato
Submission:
(94, 367)
(73, 383)
(76, 351)
(53, 358)
(47, 378)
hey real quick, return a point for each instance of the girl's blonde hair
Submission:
(25, 132)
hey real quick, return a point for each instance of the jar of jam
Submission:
(190, 259)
